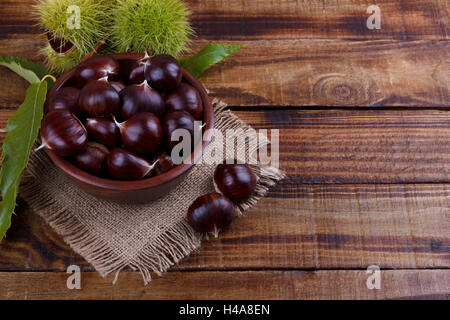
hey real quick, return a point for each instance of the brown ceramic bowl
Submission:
(138, 191)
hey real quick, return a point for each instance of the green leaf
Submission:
(23, 128)
(30, 71)
(211, 54)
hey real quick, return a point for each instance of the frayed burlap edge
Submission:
(163, 252)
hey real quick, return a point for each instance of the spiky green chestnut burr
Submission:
(94, 21)
(155, 26)
(59, 64)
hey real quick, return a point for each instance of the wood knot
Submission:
(342, 90)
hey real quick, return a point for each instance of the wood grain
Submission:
(308, 73)
(356, 146)
(360, 146)
(337, 284)
(297, 226)
(274, 19)
(365, 186)
(319, 226)
(334, 73)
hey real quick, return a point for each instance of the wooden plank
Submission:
(323, 226)
(308, 73)
(273, 19)
(334, 73)
(338, 284)
(297, 226)
(356, 146)
(360, 146)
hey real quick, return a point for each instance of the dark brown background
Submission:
(364, 131)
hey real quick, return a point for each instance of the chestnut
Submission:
(185, 98)
(63, 133)
(163, 163)
(119, 86)
(96, 68)
(61, 46)
(163, 73)
(236, 181)
(176, 120)
(93, 158)
(65, 98)
(211, 213)
(104, 131)
(140, 98)
(99, 98)
(141, 133)
(125, 165)
(136, 73)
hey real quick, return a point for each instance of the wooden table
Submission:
(364, 131)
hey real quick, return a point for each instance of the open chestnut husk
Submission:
(211, 213)
(93, 158)
(61, 46)
(125, 165)
(236, 181)
(63, 133)
(104, 131)
(177, 120)
(99, 98)
(141, 133)
(185, 98)
(141, 98)
(96, 68)
(64, 98)
(163, 73)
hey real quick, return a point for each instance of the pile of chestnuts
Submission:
(234, 184)
(115, 120)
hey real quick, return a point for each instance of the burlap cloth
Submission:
(148, 238)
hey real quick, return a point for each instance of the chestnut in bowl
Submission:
(185, 98)
(65, 98)
(133, 191)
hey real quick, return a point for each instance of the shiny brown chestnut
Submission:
(185, 98)
(177, 120)
(211, 213)
(136, 75)
(139, 98)
(96, 68)
(141, 133)
(63, 133)
(163, 73)
(136, 72)
(59, 44)
(93, 158)
(65, 98)
(163, 163)
(236, 181)
(119, 86)
(99, 98)
(104, 131)
(125, 165)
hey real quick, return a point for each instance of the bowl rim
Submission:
(126, 185)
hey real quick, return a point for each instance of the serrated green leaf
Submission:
(211, 54)
(23, 128)
(30, 71)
